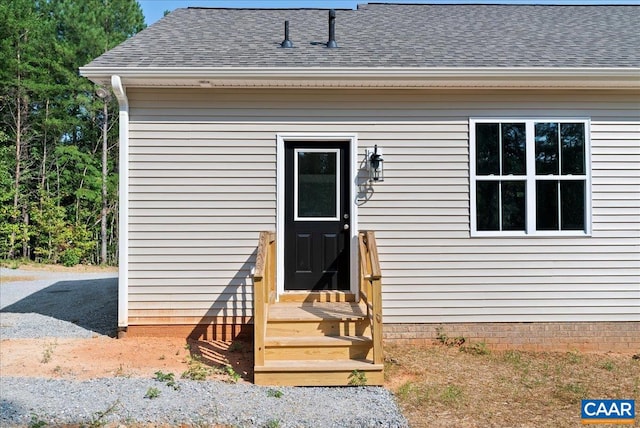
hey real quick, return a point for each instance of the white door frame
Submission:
(352, 140)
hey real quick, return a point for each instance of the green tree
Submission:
(56, 177)
(27, 74)
(108, 23)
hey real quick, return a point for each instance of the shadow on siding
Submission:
(222, 337)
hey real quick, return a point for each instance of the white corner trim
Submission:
(279, 215)
(123, 220)
(352, 140)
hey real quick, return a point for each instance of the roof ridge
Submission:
(267, 8)
(502, 3)
(510, 5)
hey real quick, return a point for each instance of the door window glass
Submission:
(317, 178)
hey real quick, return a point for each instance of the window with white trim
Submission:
(530, 177)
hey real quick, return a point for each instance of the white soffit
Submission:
(506, 78)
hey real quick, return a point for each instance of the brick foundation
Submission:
(534, 336)
(209, 332)
(538, 336)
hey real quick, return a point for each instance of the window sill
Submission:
(540, 234)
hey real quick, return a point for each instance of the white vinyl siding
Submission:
(203, 184)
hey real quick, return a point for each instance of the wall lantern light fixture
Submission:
(375, 164)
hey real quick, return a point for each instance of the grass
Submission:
(233, 376)
(47, 352)
(99, 419)
(167, 378)
(36, 422)
(448, 385)
(357, 378)
(197, 370)
(275, 393)
(152, 393)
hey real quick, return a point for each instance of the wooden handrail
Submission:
(372, 246)
(261, 258)
(264, 279)
(371, 289)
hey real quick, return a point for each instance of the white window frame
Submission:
(530, 178)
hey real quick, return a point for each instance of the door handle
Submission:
(345, 227)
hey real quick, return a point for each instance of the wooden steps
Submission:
(314, 347)
(317, 338)
(317, 372)
(317, 342)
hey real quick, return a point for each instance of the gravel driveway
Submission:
(83, 305)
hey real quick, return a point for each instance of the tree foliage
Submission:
(51, 125)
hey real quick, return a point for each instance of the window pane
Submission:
(487, 149)
(546, 148)
(514, 149)
(572, 137)
(547, 205)
(487, 213)
(513, 205)
(317, 184)
(572, 205)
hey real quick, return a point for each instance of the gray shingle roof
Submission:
(389, 35)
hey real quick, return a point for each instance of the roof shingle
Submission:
(389, 35)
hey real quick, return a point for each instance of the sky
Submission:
(154, 9)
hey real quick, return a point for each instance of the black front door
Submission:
(317, 218)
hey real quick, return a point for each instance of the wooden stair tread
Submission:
(316, 311)
(316, 340)
(318, 366)
(317, 296)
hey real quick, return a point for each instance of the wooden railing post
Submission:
(371, 289)
(271, 257)
(263, 292)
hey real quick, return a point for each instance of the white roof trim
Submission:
(451, 77)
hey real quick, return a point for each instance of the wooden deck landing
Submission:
(315, 311)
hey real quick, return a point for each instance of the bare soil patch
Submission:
(131, 357)
(56, 268)
(17, 278)
(441, 386)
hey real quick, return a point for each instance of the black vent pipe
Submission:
(286, 43)
(332, 30)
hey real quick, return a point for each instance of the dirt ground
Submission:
(436, 386)
(103, 356)
(58, 268)
(128, 357)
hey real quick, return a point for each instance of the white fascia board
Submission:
(595, 78)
